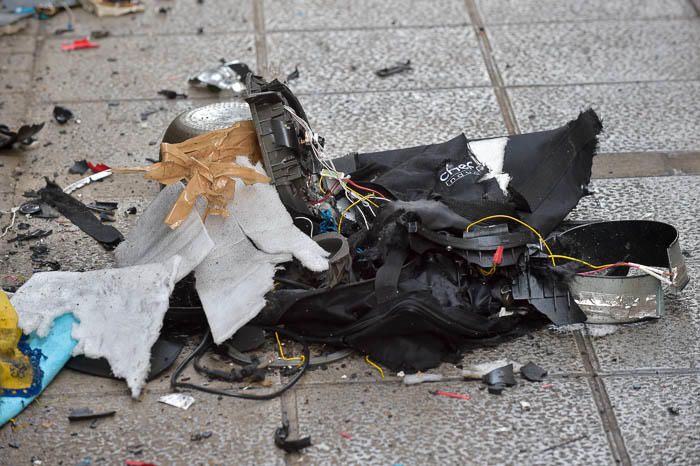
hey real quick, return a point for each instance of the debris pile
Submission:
(407, 256)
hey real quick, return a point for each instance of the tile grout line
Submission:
(260, 38)
(492, 68)
(616, 441)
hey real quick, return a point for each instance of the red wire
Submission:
(362, 187)
(329, 193)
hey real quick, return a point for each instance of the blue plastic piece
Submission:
(56, 349)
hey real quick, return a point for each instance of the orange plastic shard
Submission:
(208, 164)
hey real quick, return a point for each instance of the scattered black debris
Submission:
(145, 114)
(30, 208)
(169, 94)
(61, 31)
(148, 159)
(80, 215)
(14, 445)
(564, 443)
(30, 194)
(79, 167)
(103, 206)
(24, 135)
(86, 414)
(164, 10)
(106, 217)
(23, 226)
(636, 386)
(131, 210)
(533, 372)
(34, 234)
(200, 31)
(294, 74)
(498, 379)
(100, 34)
(61, 114)
(281, 434)
(200, 436)
(396, 69)
(135, 448)
(673, 411)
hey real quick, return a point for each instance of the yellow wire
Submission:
(358, 194)
(320, 184)
(546, 246)
(489, 272)
(350, 207)
(375, 365)
(558, 256)
(282, 356)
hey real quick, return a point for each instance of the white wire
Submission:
(311, 232)
(12, 221)
(359, 209)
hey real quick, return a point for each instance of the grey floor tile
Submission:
(392, 424)
(366, 122)
(636, 117)
(339, 14)
(129, 67)
(182, 18)
(17, 43)
(652, 434)
(241, 432)
(12, 82)
(13, 106)
(531, 11)
(11, 62)
(341, 61)
(114, 135)
(672, 341)
(605, 51)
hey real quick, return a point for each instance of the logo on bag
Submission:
(455, 173)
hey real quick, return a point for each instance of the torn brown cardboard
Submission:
(207, 163)
(105, 8)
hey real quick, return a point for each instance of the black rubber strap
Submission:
(386, 283)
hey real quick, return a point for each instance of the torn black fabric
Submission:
(549, 172)
(80, 215)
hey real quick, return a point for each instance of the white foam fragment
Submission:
(120, 312)
(233, 279)
(491, 153)
(265, 220)
(151, 240)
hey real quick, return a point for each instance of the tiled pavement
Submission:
(484, 67)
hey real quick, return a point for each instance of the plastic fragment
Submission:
(345, 435)
(415, 379)
(396, 69)
(86, 181)
(281, 440)
(97, 167)
(85, 414)
(177, 400)
(168, 94)
(79, 167)
(79, 44)
(451, 395)
(62, 115)
(500, 378)
(532, 372)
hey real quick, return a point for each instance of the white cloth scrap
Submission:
(233, 279)
(152, 241)
(120, 312)
(264, 219)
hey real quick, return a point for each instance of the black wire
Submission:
(207, 342)
(287, 281)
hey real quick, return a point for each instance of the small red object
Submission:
(97, 167)
(547, 385)
(79, 44)
(452, 395)
(498, 255)
(345, 435)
